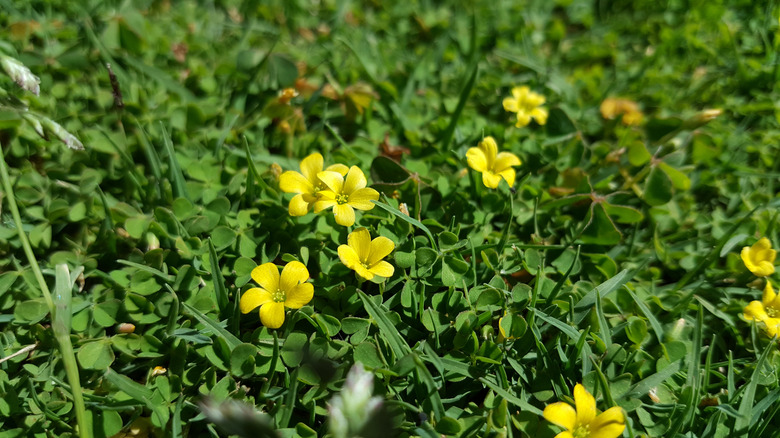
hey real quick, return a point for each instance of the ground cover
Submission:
(295, 218)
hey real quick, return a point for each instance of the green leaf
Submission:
(223, 237)
(658, 187)
(96, 355)
(638, 154)
(386, 171)
(636, 329)
(680, 181)
(622, 214)
(242, 360)
(31, 311)
(601, 230)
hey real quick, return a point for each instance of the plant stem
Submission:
(66, 348)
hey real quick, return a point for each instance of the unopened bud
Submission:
(276, 171)
(126, 327)
(152, 241)
(286, 95)
(159, 371)
(55, 128)
(702, 118)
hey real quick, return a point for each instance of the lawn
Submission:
(378, 219)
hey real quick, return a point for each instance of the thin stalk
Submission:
(66, 348)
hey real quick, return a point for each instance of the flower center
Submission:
(772, 312)
(279, 296)
(342, 199)
(581, 431)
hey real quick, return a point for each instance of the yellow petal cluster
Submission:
(364, 256)
(760, 258)
(305, 183)
(766, 311)
(612, 107)
(494, 165)
(527, 105)
(276, 292)
(582, 421)
(338, 187)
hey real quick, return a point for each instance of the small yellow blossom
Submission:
(766, 311)
(276, 292)
(286, 95)
(159, 371)
(364, 256)
(485, 158)
(612, 107)
(527, 105)
(760, 258)
(345, 194)
(583, 422)
(306, 184)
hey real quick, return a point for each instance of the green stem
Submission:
(66, 348)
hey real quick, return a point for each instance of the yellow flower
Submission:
(306, 184)
(344, 194)
(364, 256)
(612, 107)
(485, 158)
(527, 105)
(766, 311)
(277, 292)
(583, 422)
(760, 258)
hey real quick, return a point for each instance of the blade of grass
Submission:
(213, 326)
(174, 171)
(464, 95)
(218, 280)
(63, 340)
(387, 329)
(656, 326)
(742, 423)
(410, 220)
(61, 326)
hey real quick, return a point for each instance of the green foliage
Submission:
(612, 261)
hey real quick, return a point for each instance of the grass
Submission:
(613, 261)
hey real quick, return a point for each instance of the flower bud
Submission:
(21, 74)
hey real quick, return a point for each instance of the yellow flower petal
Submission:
(772, 326)
(363, 272)
(293, 273)
(323, 204)
(540, 114)
(272, 315)
(523, 119)
(490, 179)
(294, 182)
(333, 180)
(299, 296)
(760, 257)
(298, 205)
(382, 269)
(505, 160)
(360, 241)
(490, 148)
(253, 298)
(345, 215)
(340, 168)
(509, 176)
(755, 311)
(267, 276)
(510, 104)
(561, 414)
(311, 166)
(355, 180)
(769, 296)
(348, 256)
(609, 424)
(476, 159)
(380, 248)
(361, 198)
(520, 93)
(585, 405)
